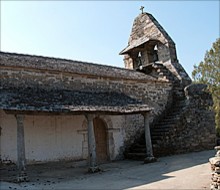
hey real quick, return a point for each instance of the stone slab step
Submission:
(164, 125)
(155, 138)
(138, 146)
(160, 130)
(170, 119)
(175, 117)
(138, 150)
(136, 156)
(160, 134)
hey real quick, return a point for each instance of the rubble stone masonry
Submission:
(155, 93)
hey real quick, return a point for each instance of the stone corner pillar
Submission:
(21, 160)
(149, 150)
(91, 144)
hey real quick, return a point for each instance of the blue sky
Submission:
(96, 31)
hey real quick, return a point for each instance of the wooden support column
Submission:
(149, 150)
(91, 144)
(21, 160)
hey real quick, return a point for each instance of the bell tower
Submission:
(149, 44)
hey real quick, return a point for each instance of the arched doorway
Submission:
(101, 140)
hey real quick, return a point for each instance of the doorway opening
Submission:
(101, 140)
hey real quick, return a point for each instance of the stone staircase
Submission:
(159, 71)
(161, 132)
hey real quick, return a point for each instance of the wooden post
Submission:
(91, 144)
(149, 150)
(21, 160)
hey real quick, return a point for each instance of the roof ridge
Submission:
(61, 59)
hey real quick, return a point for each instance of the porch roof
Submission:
(31, 100)
(134, 44)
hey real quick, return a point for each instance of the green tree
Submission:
(208, 72)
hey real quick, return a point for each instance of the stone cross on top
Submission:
(142, 9)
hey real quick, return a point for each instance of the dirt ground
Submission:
(186, 171)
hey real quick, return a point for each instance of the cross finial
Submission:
(142, 9)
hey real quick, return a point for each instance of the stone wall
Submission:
(146, 33)
(199, 118)
(215, 168)
(157, 94)
(195, 129)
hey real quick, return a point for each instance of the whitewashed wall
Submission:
(53, 138)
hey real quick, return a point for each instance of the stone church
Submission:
(55, 109)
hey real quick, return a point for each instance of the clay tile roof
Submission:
(67, 101)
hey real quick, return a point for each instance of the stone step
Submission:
(176, 110)
(168, 120)
(159, 134)
(155, 138)
(138, 150)
(179, 104)
(161, 129)
(174, 116)
(155, 145)
(136, 156)
(139, 145)
(162, 124)
(165, 124)
(141, 140)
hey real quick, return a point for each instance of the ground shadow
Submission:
(116, 175)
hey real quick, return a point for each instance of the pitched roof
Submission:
(146, 27)
(67, 101)
(71, 66)
(134, 44)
